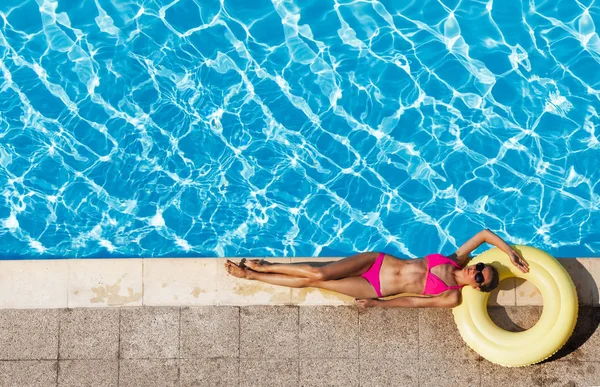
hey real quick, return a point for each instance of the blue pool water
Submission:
(297, 128)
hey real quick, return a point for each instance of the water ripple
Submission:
(187, 128)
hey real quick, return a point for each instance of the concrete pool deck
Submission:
(184, 322)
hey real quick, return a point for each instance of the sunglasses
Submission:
(479, 275)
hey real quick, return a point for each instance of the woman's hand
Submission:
(518, 261)
(366, 302)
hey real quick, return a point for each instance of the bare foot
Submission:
(259, 265)
(235, 270)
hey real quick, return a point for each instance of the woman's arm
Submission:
(448, 299)
(462, 254)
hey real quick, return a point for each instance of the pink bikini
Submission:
(372, 275)
(433, 284)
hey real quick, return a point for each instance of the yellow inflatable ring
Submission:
(555, 326)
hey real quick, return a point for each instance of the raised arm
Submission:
(448, 299)
(462, 254)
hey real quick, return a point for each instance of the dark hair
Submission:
(494, 280)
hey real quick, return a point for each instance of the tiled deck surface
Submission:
(184, 322)
(272, 346)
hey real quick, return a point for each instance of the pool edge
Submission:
(72, 283)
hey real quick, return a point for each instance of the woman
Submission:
(369, 276)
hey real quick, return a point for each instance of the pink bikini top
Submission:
(434, 285)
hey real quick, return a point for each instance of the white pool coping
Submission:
(74, 283)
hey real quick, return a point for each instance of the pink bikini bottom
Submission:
(372, 275)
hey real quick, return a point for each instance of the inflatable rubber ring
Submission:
(550, 333)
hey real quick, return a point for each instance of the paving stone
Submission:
(493, 375)
(593, 266)
(450, 372)
(504, 294)
(269, 332)
(513, 318)
(571, 373)
(527, 293)
(30, 373)
(105, 282)
(581, 273)
(88, 373)
(438, 336)
(209, 372)
(584, 344)
(149, 333)
(328, 332)
(273, 338)
(180, 281)
(89, 333)
(389, 372)
(28, 334)
(34, 283)
(148, 373)
(389, 333)
(210, 332)
(329, 372)
(275, 373)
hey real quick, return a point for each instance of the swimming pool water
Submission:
(297, 128)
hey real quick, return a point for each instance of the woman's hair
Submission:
(494, 280)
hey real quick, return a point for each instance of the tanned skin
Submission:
(397, 276)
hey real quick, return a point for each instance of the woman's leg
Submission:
(275, 279)
(353, 286)
(347, 267)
